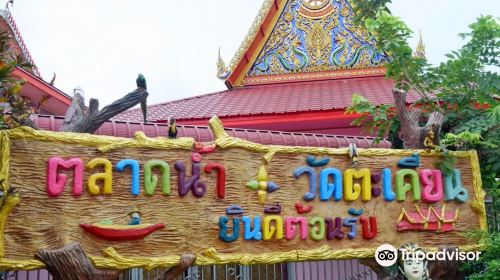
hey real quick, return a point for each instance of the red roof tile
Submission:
(272, 99)
(204, 134)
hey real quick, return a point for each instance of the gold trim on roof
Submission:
(314, 76)
(252, 32)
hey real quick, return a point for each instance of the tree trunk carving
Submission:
(412, 134)
(88, 121)
(70, 262)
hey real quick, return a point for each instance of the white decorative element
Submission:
(314, 4)
(222, 71)
(79, 90)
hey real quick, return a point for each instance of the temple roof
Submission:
(299, 57)
(8, 24)
(43, 96)
(204, 134)
(302, 40)
(272, 99)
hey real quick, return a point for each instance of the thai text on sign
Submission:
(230, 200)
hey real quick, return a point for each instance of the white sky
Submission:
(101, 45)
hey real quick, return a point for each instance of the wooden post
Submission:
(70, 262)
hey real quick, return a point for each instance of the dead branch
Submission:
(88, 121)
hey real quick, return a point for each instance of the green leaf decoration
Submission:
(253, 185)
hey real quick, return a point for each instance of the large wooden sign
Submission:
(145, 201)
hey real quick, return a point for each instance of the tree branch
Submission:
(78, 121)
(400, 104)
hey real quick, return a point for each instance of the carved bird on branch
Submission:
(77, 120)
(141, 83)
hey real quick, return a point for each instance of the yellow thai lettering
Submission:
(106, 176)
(270, 230)
(353, 190)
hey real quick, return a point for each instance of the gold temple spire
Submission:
(222, 70)
(420, 49)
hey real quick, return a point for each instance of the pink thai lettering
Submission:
(291, 227)
(432, 185)
(56, 181)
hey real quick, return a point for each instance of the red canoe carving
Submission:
(121, 232)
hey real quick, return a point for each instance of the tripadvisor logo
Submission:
(387, 255)
(443, 255)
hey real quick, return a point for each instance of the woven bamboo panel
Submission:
(40, 221)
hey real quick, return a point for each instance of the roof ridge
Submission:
(273, 99)
(9, 19)
(258, 86)
(179, 100)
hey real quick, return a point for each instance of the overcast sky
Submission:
(101, 45)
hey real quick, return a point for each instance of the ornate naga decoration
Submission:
(420, 49)
(314, 36)
(222, 70)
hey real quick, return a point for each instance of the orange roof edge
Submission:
(258, 41)
(42, 85)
